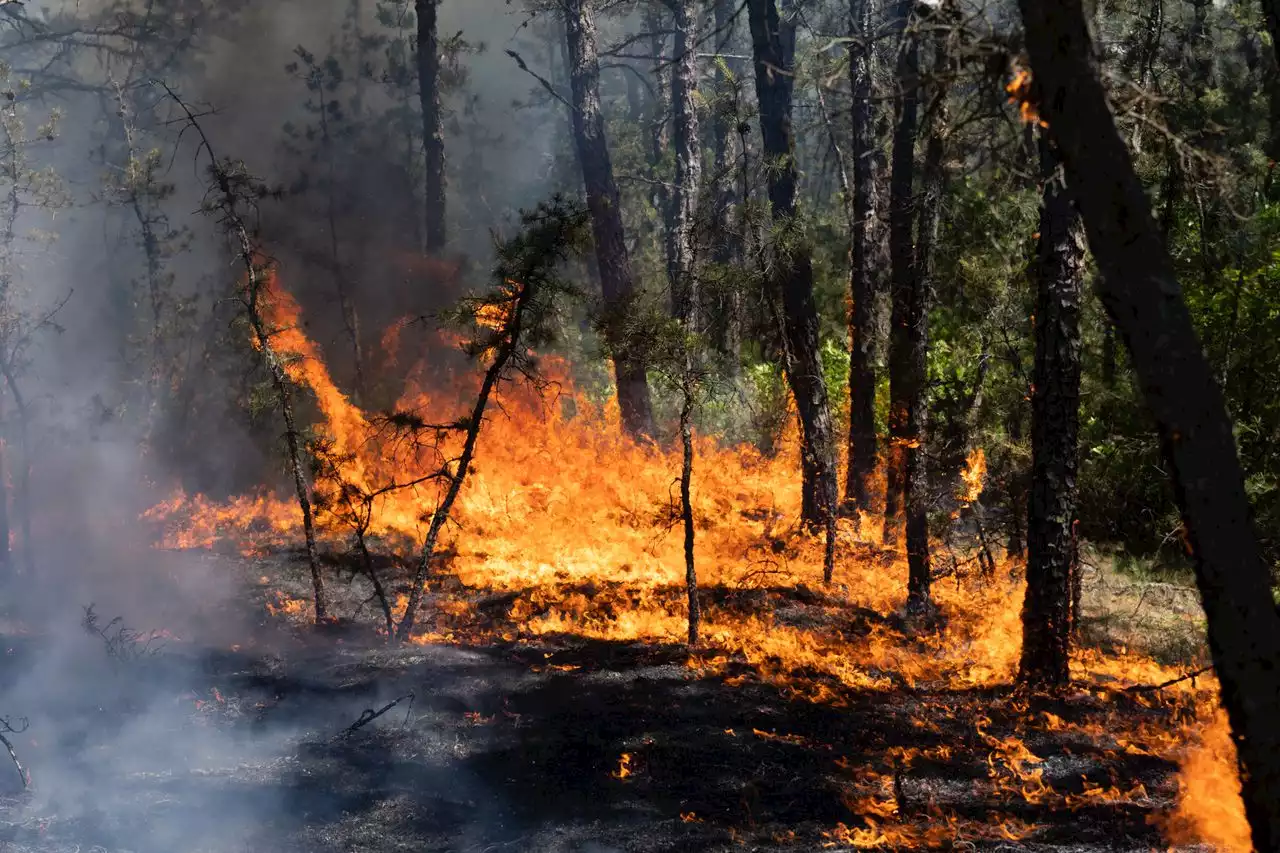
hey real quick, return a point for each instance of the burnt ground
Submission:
(509, 746)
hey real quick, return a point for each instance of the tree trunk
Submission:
(1140, 290)
(1271, 12)
(726, 321)
(902, 221)
(6, 552)
(863, 273)
(605, 207)
(432, 129)
(342, 288)
(773, 41)
(1055, 411)
(688, 150)
(293, 444)
(682, 257)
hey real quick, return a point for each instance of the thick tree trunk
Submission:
(864, 274)
(1055, 411)
(774, 42)
(902, 256)
(605, 207)
(1141, 292)
(432, 125)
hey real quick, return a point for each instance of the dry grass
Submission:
(1125, 609)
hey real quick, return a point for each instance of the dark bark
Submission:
(773, 46)
(1271, 13)
(916, 372)
(1140, 290)
(902, 221)
(726, 320)
(1109, 356)
(1055, 418)
(864, 273)
(432, 123)
(686, 508)
(605, 207)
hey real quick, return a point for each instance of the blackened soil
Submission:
(559, 744)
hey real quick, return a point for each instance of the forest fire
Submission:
(572, 520)
(848, 430)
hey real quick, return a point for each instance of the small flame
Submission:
(624, 767)
(1019, 91)
(974, 475)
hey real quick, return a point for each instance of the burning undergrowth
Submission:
(894, 735)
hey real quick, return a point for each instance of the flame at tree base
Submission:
(580, 523)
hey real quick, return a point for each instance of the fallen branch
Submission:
(7, 727)
(370, 715)
(1151, 688)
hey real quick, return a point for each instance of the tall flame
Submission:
(575, 519)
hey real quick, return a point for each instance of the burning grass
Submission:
(564, 530)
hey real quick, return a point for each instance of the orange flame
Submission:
(1210, 809)
(573, 520)
(974, 475)
(1019, 91)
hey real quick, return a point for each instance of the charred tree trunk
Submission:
(863, 273)
(773, 41)
(916, 372)
(605, 207)
(1140, 290)
(686, 503)
(902, 256)
(432, 123)
(1055, 416)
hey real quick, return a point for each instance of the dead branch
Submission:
(1152, 688)
(7, 728)
(546, 84)
(369, 715)
(122, 644)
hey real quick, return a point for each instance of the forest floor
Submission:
(557, 742)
